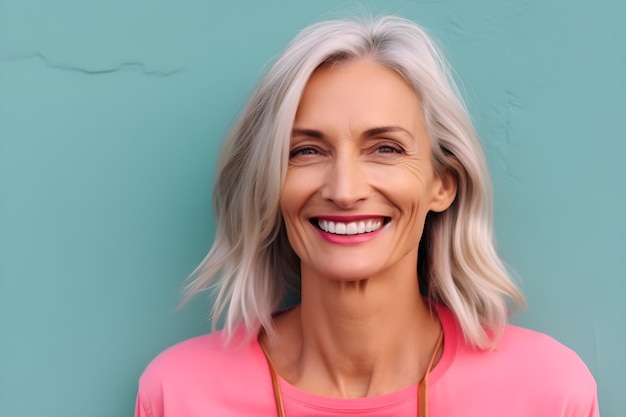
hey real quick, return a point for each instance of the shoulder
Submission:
(180, 364)
(195, 357)
(559, 374)
(180, 358)
(542, 353)
(545, 374)
(527, 371)
(199, 373)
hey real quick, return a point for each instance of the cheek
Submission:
(287, 202)
(292, 200)
(293, 196)
(406, 185)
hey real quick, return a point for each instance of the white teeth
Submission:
(352, 228)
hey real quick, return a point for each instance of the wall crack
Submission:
(134, 66)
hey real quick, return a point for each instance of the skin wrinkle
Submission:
(345, 161)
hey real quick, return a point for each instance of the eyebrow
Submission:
(386, 129)
(307, 132)
(316, 134)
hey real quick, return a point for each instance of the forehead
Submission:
(360, 93)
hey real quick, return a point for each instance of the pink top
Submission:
(529, 374)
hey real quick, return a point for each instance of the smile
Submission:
(349, 228)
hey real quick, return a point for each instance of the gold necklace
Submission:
(422, 386)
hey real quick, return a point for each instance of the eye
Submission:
(303, 151)
(387, 148)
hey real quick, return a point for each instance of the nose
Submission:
(346, 182)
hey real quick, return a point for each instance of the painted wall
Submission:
(111, 114)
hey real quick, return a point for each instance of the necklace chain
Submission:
(422, 386)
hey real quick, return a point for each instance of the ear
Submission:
(444, 192)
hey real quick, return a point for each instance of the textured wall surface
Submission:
(111, 113)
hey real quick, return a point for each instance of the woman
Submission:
(355, 174)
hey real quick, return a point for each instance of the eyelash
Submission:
(309, 150)
(304, 151)
(394, 149)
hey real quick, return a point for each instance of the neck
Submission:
(359, 338)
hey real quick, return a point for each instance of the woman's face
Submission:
(360, 179)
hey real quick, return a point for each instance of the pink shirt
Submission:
(528, 375)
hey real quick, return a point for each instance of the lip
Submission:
(349, 239)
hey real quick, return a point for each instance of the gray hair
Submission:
(251, 263)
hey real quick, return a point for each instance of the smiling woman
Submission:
(360, 156)
(355, 168)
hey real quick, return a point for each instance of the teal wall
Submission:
(111, 114)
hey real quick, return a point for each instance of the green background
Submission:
(111, 115)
